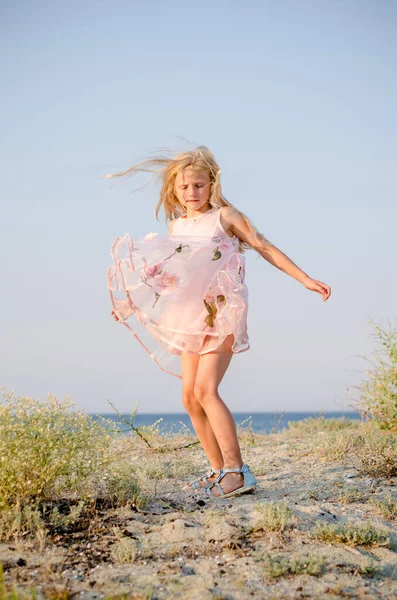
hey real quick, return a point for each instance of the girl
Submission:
(188, 292)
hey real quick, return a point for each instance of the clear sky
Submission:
(297, 100)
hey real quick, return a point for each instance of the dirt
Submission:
(186, 546)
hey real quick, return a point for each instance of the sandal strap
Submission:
(208, 492)
(204, 477)
(243, 470)
(232, 470)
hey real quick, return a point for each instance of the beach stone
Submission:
(188, 570)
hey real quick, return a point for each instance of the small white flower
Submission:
(149, 237)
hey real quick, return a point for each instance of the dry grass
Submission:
(351, 494)
(20, 521)
(386, 508)
(124, 549)
(122, 486)
(314, 425)
(373, 451)
(372, 444)
(378, 454)
(12, 592)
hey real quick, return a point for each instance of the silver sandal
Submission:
(195, 484)
(249, 483)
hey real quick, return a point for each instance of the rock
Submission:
(188, 570)
(8, 564)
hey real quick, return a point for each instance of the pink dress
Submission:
(181, 293)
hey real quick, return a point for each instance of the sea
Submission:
(259, 422)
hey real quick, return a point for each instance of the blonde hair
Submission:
(166, 168)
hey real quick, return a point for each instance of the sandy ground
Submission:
(184, 546)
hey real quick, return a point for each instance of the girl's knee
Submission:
(203, 392)
(190, 402)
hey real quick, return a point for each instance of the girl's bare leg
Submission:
(209, 374)
(202, 427)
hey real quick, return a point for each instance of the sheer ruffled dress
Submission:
(182, 293)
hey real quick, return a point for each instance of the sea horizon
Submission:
(259, 421)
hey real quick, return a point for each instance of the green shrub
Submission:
(363, 534)
(368, 568)
(272, 516)
(279, 566)
(378, 398)
(47, 449)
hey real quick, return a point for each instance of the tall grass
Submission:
(378, 394)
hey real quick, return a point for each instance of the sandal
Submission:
(249, 484)
(195, 484)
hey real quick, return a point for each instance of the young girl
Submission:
(188, 292)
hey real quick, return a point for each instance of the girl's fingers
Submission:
(322, 288)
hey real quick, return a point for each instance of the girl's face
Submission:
(192, 189)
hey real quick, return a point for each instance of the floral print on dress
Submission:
(216, 253)
(212, 305)
(241, 272)
(152, 271)
(158, 277)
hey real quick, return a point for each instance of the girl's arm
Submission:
(234, 222)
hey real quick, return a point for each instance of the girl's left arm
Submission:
(236, 223)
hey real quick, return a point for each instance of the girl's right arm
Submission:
(237, 224)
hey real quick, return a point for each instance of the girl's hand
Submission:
(319, 287)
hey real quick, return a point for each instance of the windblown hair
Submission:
(166, 168)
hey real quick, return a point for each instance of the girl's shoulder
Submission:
(227, 215)
(228, 211)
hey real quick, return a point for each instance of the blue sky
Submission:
(297, 101)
